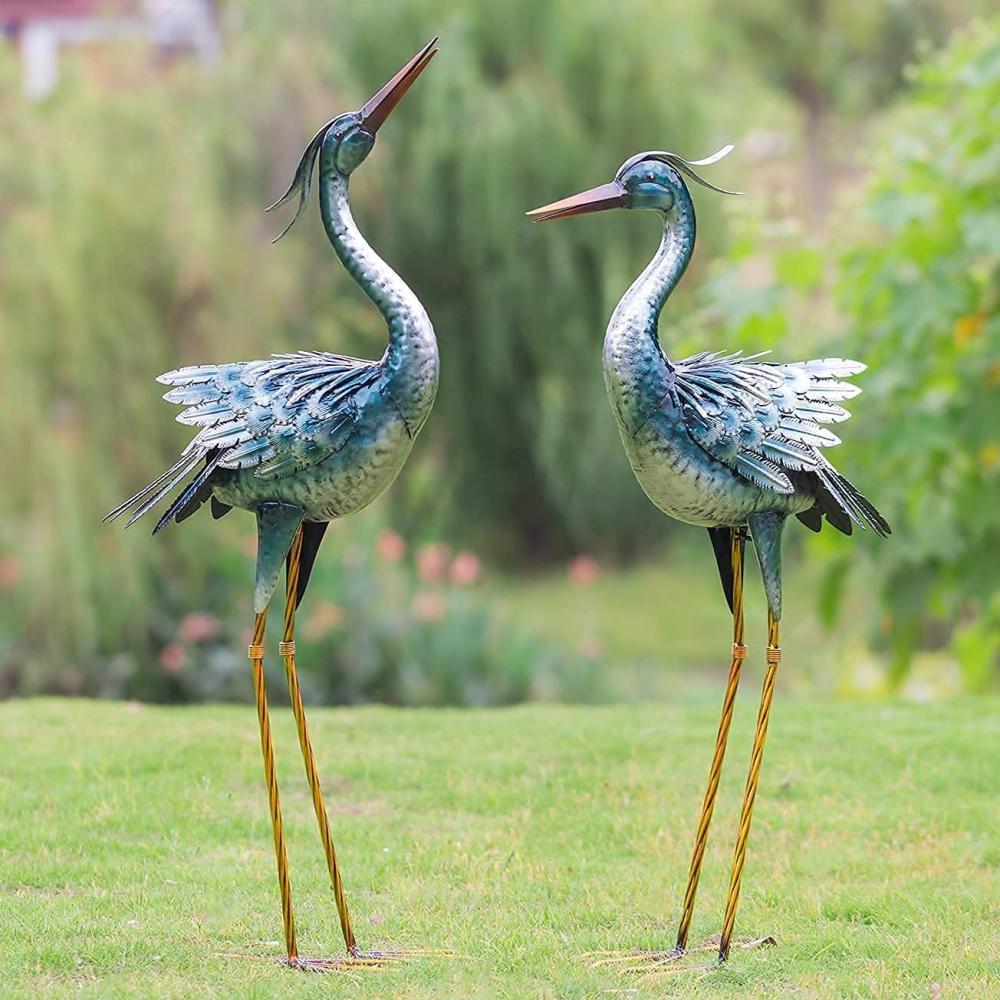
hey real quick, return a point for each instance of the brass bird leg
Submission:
(756, 759)
(715, 771)
(287, 650)
(634, 959)
(355, 958)
(256, 654)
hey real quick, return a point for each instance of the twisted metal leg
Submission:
(756, 760)
(287, 650)
(256, 654)
(641, 960)
(715, 771)
(355, 958)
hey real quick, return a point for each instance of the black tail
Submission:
(842, 503)
(312, 537)
(722, 544)
(193, 495)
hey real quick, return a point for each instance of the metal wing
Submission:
(277, 416)
(765, 421)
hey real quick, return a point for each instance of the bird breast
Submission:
(688, 484)
(347, 480)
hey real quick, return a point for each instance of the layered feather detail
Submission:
(766, 423)
(277, 416)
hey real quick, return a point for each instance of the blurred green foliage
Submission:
(912, 286)
(133, 241)
(920, 292)
(384, 621)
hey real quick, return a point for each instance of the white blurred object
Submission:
(43, 28)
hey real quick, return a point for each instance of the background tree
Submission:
(911, 286)
(920, 292)
(133, 240)
(837, 63)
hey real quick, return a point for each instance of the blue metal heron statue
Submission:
(723, 441)
(301, 439)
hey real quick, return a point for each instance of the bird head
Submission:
(654, 179)
(347, 139)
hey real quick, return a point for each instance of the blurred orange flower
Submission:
(583, 571)
(390, 545)
(428, 606)
(173, 656)
(466, 568)
(10, 572)
(432, 562)
(989, 458)
(323, 618)
(199, 626)
(968, 327)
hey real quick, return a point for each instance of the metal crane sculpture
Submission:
(723, 441)
(301, 439)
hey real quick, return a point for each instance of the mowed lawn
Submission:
(135, 852)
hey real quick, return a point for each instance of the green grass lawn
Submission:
(135, 849)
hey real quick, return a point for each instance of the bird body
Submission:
(325, 432)
(328, 458)
(716, 438)
(689, 485)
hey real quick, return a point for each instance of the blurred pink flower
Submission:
(10, 572)
(323, 618)
(583, 571)
(390, 545)
(199, 626)
(466, 568)
(173, 656)
(432, 562)
(428, 606)
(249, 546)
(592, 647)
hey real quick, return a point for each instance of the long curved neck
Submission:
(411, 359)
(634, 364)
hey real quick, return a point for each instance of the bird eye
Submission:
(353, 148)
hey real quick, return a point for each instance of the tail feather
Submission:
(865, 508)
(146, 490)
(188, 501)
(833, 510)
(156, 497)
(722, 545)
(850, 501)
(811, 518)
(219, 509)
(312, 536)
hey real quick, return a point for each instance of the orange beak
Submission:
(598, 199)
(376, 110)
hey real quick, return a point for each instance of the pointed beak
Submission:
(598, 199)
(375, 111)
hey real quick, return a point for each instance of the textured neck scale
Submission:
(634, 364)
(411, 359)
